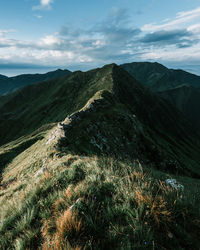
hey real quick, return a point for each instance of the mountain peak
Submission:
(96, 147)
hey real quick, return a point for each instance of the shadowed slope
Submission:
(168, 136)
(178, 87)
(158, 77)
(97, 178)
(10, 84)
(186, 99)
(32, 106)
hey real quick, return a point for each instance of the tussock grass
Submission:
(93, 203)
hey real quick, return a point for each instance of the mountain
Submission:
(33, 106)
(2, 77)
(187, 99)
(158, 77)
(180, 88)
(10, 84)
(86, 162)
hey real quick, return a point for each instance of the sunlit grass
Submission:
(93, 202)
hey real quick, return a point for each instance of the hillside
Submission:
(84, 162)
(187, 99)
(178, 87)
(10, 84)
(158, 77)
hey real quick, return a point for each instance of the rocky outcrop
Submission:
(101, 126)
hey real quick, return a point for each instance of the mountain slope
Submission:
(10, 84)
(90, 172)
(158, 77)
(186, 99)
(30, 107)
(33, 106)
(52, 199)
(178, 87)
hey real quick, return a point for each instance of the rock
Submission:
(77, 201)
(41, 171)
(174, 184)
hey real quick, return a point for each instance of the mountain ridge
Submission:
(10, 84)
(95, 160)
(35, 105)
(178, 87)
(158, 77)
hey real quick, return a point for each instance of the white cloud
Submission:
(111, 40)
(44, 5)
(45, 2)
(172, 54)
(4, 32)
(192, 13)
(39, 16)
(50, 40)
(194, 28)
(181, 18)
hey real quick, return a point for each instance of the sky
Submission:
(43, 35)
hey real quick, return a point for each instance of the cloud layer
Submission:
(111, 40)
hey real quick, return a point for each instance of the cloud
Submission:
(38, 16)
(112, 40)
(181, 18)
(4, 32)
(44, 5)
(106, 41)
(180, 38)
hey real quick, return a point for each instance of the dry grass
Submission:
(111, 194)
(68, 228)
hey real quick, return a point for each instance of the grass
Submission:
(94, 203)
(90, 194)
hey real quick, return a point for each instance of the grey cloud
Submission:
(164, 36)
(180, 38)
(105, 41)
(118, 35)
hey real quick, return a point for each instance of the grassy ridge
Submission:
(93, 203)
(10, 84)
(97, 179)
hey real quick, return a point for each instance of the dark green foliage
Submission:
(10, 84)
(178, 87)
(158, 77)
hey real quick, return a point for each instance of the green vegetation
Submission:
(93, 203)
(88, 168)
(10, 84)
(178, 87)
(158, 77)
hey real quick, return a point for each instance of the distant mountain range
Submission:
(10, 84)
(180, 88)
